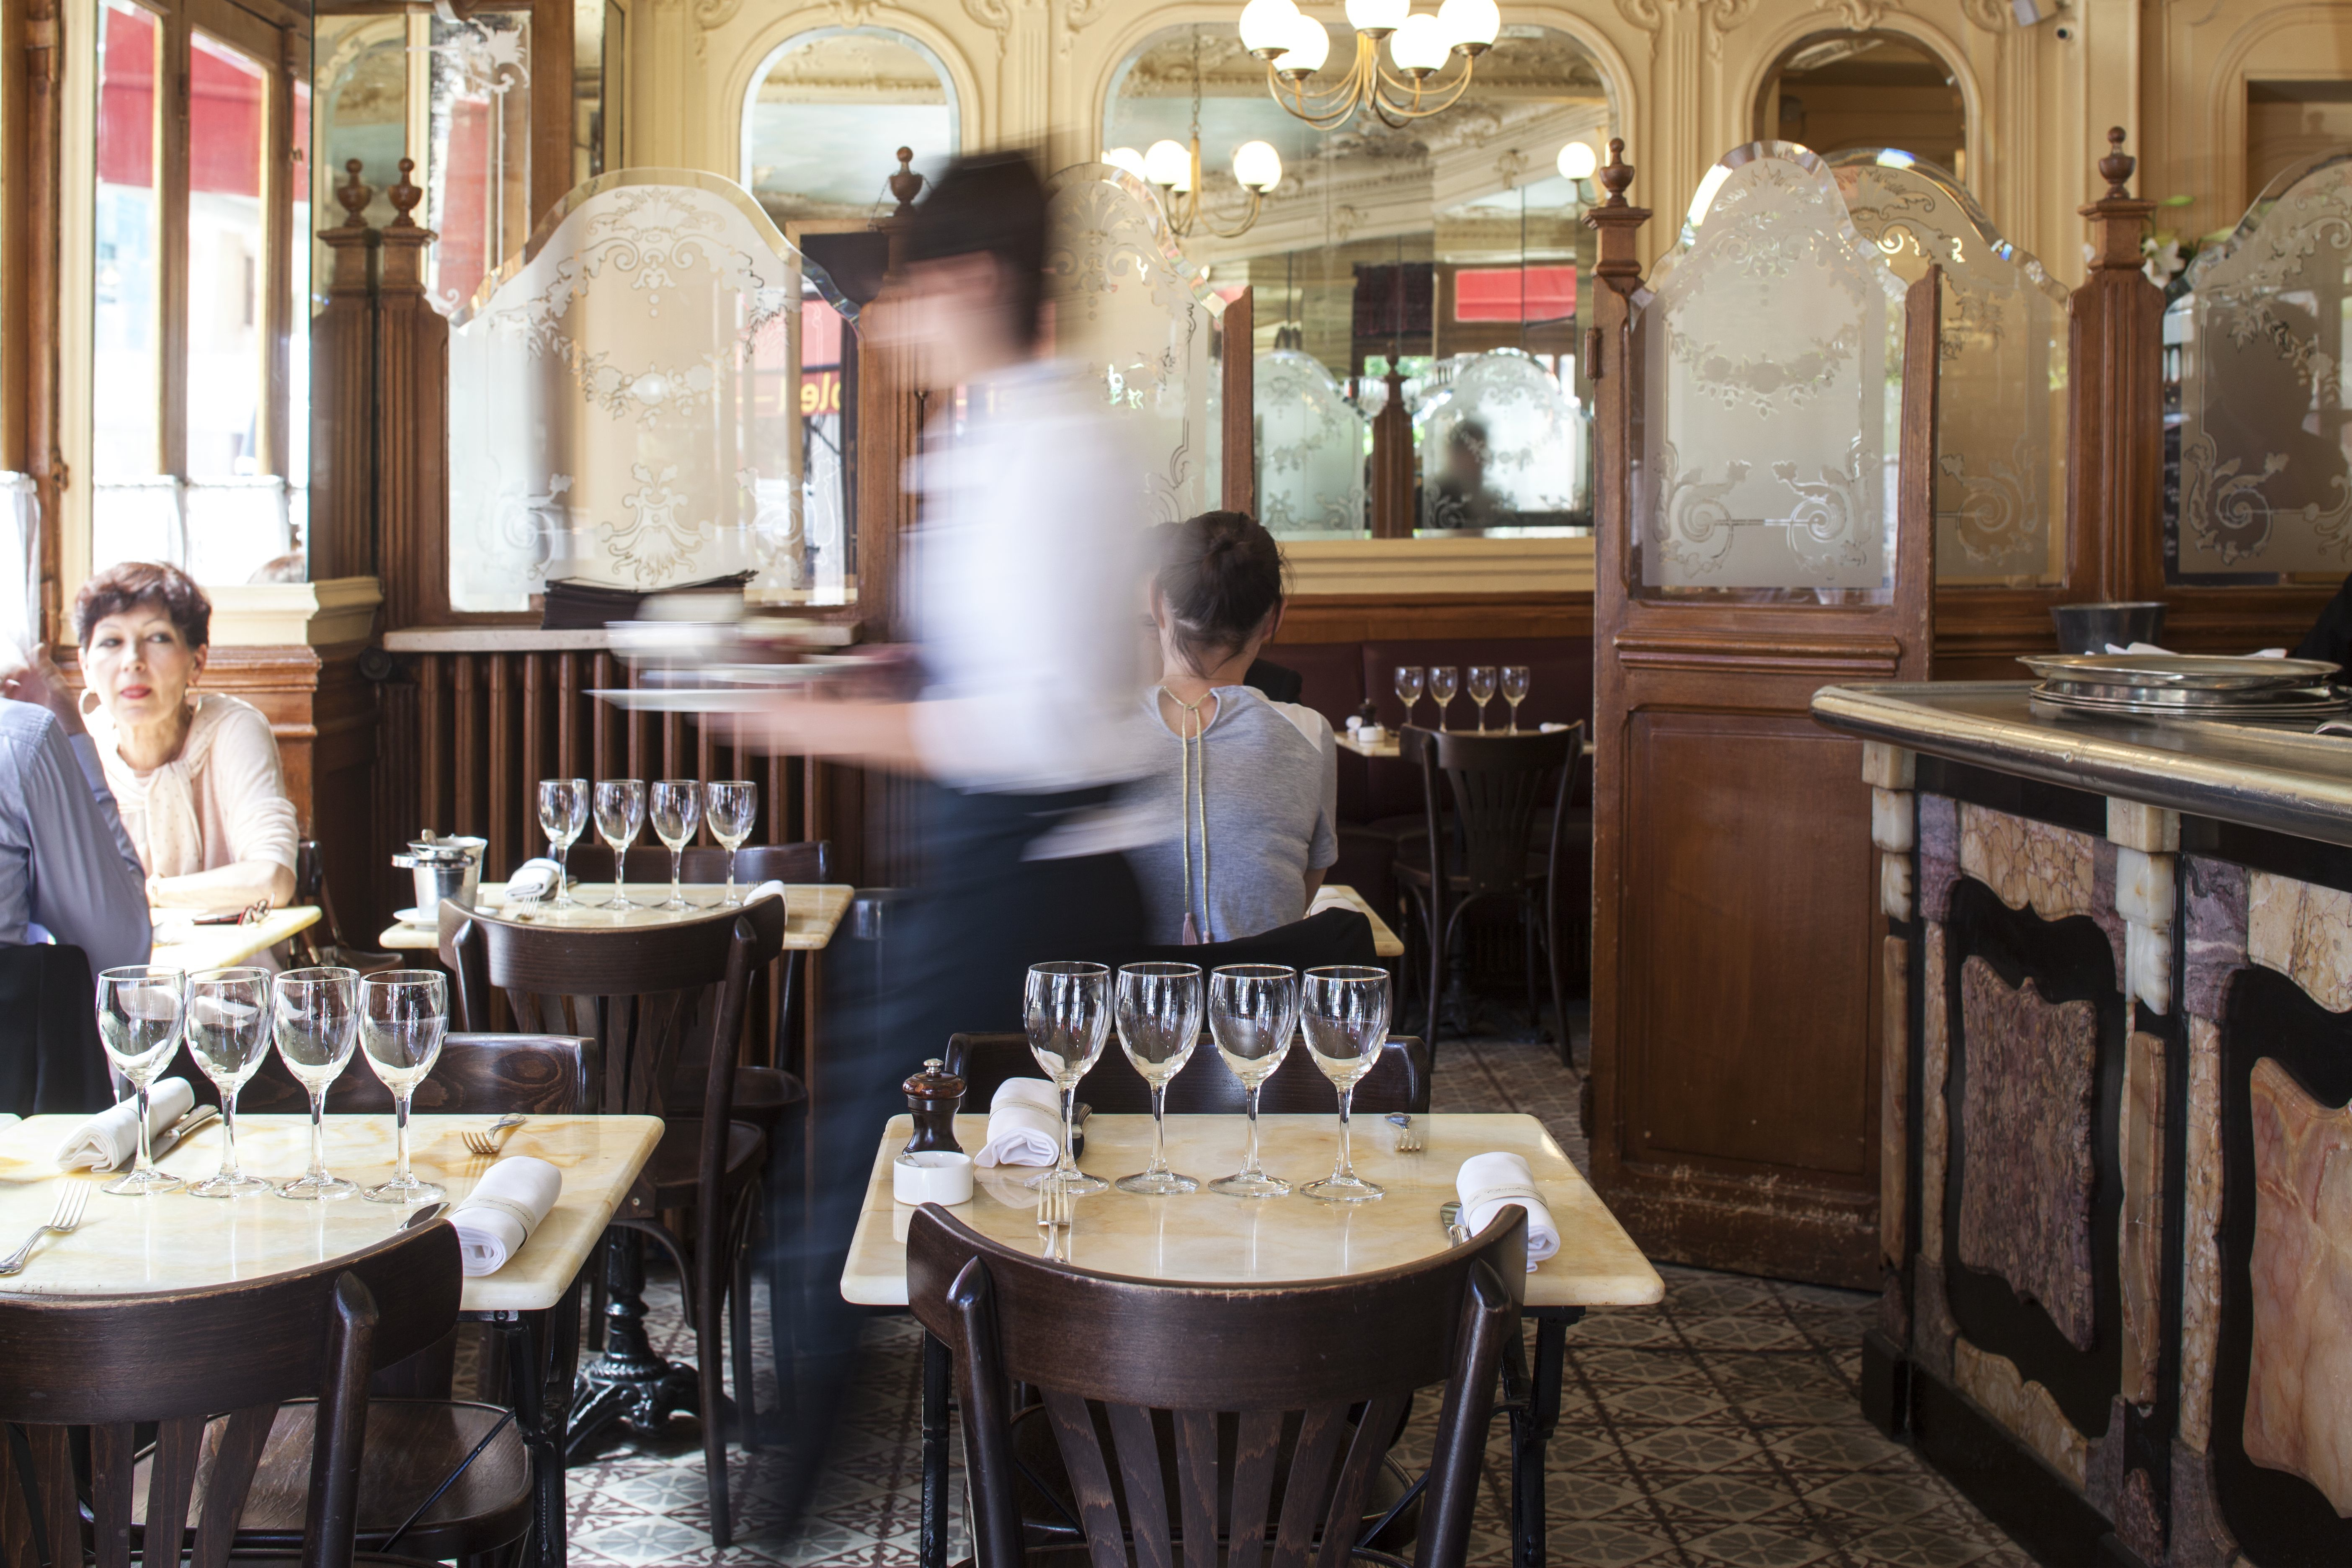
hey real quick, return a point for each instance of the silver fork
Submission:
(64, 1222)
(493, 1138)
(1408, 1137)
(1053, 1209)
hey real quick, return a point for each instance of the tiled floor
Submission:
(1718, 1429)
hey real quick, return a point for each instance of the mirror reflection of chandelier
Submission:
(1257, 169)
(1294, 47)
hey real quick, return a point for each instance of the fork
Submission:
(1053, 1209)
(64, 1222)
(493, 1138)
(1408, 1137)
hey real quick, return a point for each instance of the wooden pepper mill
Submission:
(933, 1096)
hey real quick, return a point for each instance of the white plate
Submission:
(687, 700)
(422, 920)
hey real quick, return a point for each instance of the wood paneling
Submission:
(1366, 617)
(44, 131)
(1240, 390)
(342, 412)
(411, 454)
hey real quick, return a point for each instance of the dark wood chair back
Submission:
(177, 1360)
(1499, 785)
(477, 1075)
(1268, 1407)
(810, 861)
(1207, 1087)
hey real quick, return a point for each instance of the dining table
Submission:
(1205, 1236)
(172, 1241)
(812, 912)
(181, 944)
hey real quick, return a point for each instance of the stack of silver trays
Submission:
(2188, 686)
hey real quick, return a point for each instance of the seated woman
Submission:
(1249, 789)
(196, 774)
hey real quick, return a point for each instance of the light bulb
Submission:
(1257, 166)
(1577, 160)
(1418, 46)
(1168, 163)
(1267, 25)
(1306, 47)
(1377, 17)
(1470, 26)
(1128, 158)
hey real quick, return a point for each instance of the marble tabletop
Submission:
(172, 1241)
(812, 912)
(1338, 896)
(182, 945)
(1205, 1236)
(1388, 745)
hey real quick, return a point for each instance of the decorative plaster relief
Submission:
(2141, 1245)
(2025, 1132)
(2028, 1410)
(1935, 1119)
(2213, 943)
(2299, 1375)
(2029, 864)
(1894, 1100)
(2303, 931)
(2200, 1220)
(1939, 853)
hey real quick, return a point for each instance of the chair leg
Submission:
(738, 1326)
(709, 1355)
(1528, 930)
(1436, 978)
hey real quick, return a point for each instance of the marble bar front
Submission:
(2116, 1150)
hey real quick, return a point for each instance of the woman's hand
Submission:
(232, 886)
(40, 683)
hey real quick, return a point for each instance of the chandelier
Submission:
(1257, 169)
(1295, 47)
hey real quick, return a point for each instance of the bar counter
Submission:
(2114, 1156)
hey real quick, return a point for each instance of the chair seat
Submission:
(670, 1177)
(762, 1095)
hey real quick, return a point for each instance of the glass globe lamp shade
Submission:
(1168, 163)
(1419, 46)
(1306, 47)
(1267, 25)
(1257, 166)
(1469, 26)
(1377, 17)
(1128, 158)
(1577, 160)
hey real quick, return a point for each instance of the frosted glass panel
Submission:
(1500, 446)
(624, 407)
(2000, 441)
(1771, 409)
(2262, 343)
(1136, 314)
(1311, 446)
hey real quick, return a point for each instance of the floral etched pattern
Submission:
(1311, 449)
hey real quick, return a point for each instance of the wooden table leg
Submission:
(1534, 1403)
(933, 1549)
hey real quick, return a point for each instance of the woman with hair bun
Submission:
(1247, 787)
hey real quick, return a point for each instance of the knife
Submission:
(179, 1130)
(424, 1216)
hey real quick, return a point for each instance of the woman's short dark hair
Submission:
(993, 204)
(1221, 575)
(136, 584)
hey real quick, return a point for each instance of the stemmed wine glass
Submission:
(729, 806)
(317, 1023)
(1068, 1015)
(1482, 690)
(1409, 678)
(1444, 680)
(141, 1007)
(1159, 1013)
(1344, 1014)
(1515, 690)
(677, 818)
(403, 1015)
(1252, 1014)
(562, 816)
(620, 816)
(229, 1034)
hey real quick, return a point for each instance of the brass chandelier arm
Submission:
(1192, 216)
(1397, 99)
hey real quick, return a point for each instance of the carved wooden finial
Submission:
(2117, 165)
(404, 196)
(354, 194)
(905, 184)
(1616, 175)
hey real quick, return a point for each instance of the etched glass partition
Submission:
(2259, 450)
(2000, 438)
(1129, 308)
(626, 406)
(1500, 446)
(1311, 449)
(1771, 410)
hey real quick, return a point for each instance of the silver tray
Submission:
(2198, 672)
(2185, 697)
(2289, 706)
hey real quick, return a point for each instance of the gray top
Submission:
(1268, 776)
(66, 863)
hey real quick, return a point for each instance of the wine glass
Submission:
(141, 1007)
(1409, 678)
(229, 1034)
(562, 816)
(677, 818)
(620, 816)
(1444, 680)
(729, 806)
(1068, 1016)
(1515, 690)
(1344, 1014)
(1252, 1014)
(1482, 690)
(403, 1015)
(317, 1023)
(1159, 1013)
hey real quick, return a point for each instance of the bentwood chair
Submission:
(644, 997)
(1399, 1081)
(219, 1374)
(477, 1075)
(1270, 1436)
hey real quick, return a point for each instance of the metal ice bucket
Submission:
(444, 869)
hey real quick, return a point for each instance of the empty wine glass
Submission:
(1344, 1013)
(620, 817)
(316, 1020)
(677, 818)
(730, 805)
(1068, 1016)
(562, 816)
(403, 1015)
(1515, 690)
(141, 1007)
(229, 1034)
(1409, 679)
(1159, 1013)
(1252, 1014)
(1444, 680)
(1482, 690)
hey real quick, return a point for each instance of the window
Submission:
(827, 114)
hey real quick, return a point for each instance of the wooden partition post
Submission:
(42, 169)
(342, 396)
(412, 389)
(1392, 464)
(1240, 433)
(2116, 544)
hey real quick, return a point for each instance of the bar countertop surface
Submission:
(2269, 777)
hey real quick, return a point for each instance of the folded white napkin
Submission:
(771, 888)
(1487, 1182)
(534, 878)
(1024, 1124)
(110, 1141)
(505, 1206)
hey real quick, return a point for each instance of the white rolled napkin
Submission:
(110, 1141)
(506, 1205)
(1024, 1124)
(771, 888)
(535, 879)
(1487, 1182)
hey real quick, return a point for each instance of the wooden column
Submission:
(550, 106)
(342, 396)
(2115, 537)
(1392, 479)
(44, 131)
(412, 389)
(1240, 432)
